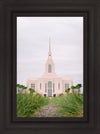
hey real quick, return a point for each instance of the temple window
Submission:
(49, 84)
(53, 87)
(49, 68)
(45, 87)
(40, 85)
(66, 86)
(58, 85)
(33, 86)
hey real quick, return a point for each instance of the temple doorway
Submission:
(49, 89)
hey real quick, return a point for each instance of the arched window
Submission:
(49, 88)
(49, 68)
(49, 84)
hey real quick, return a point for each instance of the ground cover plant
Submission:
(28, 104)
(35, 105)
(70, 105)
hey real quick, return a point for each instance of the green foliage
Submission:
(37, 94)
(78, 86)
(25, 87)
(18, 85)
(31, 90)
(67, 90)
(61, 94)
(21, 88)
(70, 105)
(28, 104)
(73, 87)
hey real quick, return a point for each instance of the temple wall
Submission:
(55, 81)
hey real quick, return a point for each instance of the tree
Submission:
(73, 87)
(78, 86)
(25, 89)
(67, 90)
(21, 88)
(31, 90)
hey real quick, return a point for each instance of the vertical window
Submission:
(66, 86)
(45, 87)
(49, 69)
(40, 85)
(33, 86)
(53, 87)
(50, 84)
(58, 85)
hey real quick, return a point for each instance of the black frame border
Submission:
(92, 123)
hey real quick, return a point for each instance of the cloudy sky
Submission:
(66, 44)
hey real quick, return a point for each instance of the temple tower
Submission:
(49, 66)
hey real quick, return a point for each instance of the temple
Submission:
(49, 84)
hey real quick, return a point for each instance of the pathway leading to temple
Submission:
(47, 111)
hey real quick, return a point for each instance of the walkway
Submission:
(47, 111)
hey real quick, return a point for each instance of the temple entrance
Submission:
(49, 93)
(49, 89)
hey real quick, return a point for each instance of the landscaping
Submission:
(70, 105)
(28, 104)
(35, 105)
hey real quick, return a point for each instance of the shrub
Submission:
(61, 94)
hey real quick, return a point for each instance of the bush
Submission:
(27, 104)
(61, 94)
(31, 90)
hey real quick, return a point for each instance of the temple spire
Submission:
(49, 54)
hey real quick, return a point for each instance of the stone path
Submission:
(47, 111)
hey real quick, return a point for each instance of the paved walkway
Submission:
(47, 111)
